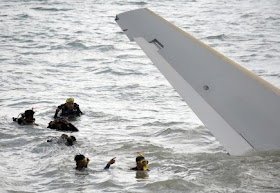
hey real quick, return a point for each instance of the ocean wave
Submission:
(218, 37)
(76, 45)
(52, 9)
(118, 72)
(22, 16)
(140, 3)
(173, 185)
(163, 124)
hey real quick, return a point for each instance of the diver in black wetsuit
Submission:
(62, 124)
(26, 118)
(82, 162)
(68, 109)
(67, 140)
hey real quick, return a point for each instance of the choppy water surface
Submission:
(54, 49)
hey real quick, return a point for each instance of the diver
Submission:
(67, 140)
(27, 118)
(68, 109)
(82, 162)
(62, 124)
(141, 163)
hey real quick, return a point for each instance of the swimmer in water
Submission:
(82, 162)
(65, 139)
(141, 163)
(27, 118)
(68, 109)
(62, 124)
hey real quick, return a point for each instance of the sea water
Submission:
(54, 49)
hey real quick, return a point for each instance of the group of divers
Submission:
(70, 109)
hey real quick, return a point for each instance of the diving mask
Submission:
(145, 164)
(85, 161)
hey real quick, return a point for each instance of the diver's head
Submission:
(64, 136)
(28, 115)
(139, 158)
(70, 140)
(81, 161)
(70, 103)
(141, 163)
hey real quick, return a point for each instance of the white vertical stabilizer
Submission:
(238, 107)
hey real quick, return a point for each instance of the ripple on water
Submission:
(51, 9)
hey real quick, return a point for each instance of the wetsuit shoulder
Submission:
(61, 106)
(76, 106)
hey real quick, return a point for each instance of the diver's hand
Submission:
(56, 113)
(112, 161)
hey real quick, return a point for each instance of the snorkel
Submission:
(144, 162)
